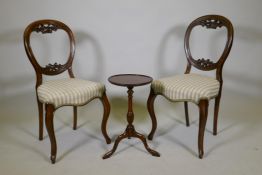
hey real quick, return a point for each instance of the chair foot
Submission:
(150, 137)
(40, 138)
(201, 155)
(108, 140)
(53, 159)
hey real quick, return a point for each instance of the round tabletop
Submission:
(130, 80)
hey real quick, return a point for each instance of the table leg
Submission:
(143, 139)
(130, 129)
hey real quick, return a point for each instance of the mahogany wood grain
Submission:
(48, 26)
(130, 81)
(209, 22)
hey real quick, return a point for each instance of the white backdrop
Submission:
(130, 36)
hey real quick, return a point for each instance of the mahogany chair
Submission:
(191, 87)
(54, 94)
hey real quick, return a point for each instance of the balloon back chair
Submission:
(191, 87)
(54, 94)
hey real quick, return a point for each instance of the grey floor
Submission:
(236, 150)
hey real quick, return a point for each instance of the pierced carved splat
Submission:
(46, 28)
(211, 23)
(205, 63)
(53, 67)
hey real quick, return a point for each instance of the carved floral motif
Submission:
(205, 63)
(45, 28)
(53, 67)
(211, 23)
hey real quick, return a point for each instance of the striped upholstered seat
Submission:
(187, 87)
(70, 91)
(192, 87)
(57, 93)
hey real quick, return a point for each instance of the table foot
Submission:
(130, 132)
(118, 139)
(143, 139)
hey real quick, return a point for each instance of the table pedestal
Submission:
(130, 129)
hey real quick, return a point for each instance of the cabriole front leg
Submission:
(50, 130)
(106, 106)
(150, 108)
(203, 112)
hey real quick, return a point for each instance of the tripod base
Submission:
(131, 132)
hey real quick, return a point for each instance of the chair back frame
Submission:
(210, 22)
(48, 26)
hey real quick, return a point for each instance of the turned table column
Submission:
(130, 80)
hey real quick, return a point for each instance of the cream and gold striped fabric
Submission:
(187, 87)
(70, 91)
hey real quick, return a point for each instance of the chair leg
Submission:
(217, 101)
(106, 106)
(75, 118)
(40, 115)
(150, 108)
(50, 129)
(203, 112)
(186, 113)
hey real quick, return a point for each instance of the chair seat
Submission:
(187, 87)
(70, 91)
